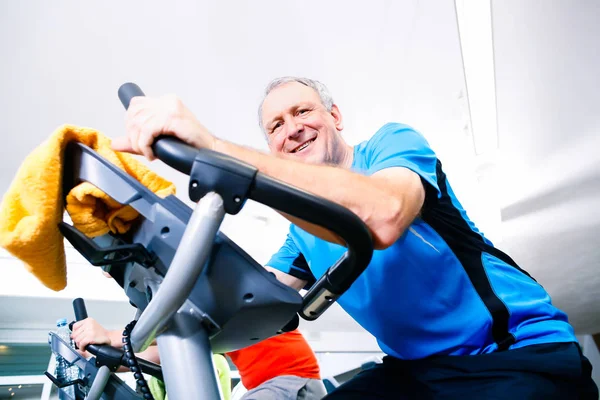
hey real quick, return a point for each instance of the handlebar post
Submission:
(187, 265)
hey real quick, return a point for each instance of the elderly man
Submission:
(456, 316)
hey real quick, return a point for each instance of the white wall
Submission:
(546, 64)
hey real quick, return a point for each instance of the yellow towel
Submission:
(33, 206)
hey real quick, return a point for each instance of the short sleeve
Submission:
(398, 145)
(291, 261)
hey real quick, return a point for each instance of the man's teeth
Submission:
(305, 145)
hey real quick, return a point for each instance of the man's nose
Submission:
(294, 129)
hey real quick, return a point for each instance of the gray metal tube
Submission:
(99, 384)
(187, 265)
(186, 360)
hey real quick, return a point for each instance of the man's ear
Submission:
(337, 118)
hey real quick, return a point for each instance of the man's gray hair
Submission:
(317, 86)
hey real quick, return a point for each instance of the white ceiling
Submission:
(64, 61)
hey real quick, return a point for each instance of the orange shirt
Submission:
(284, 354)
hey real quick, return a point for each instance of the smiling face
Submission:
(300, 127)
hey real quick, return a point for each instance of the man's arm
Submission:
(89, 331)
(387, 202)
(289, 265)
(287, 279)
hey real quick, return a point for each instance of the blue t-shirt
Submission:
(441, 288)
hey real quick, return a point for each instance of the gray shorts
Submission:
(287, 387)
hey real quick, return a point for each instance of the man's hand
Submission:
(149, 117)
(88, 331)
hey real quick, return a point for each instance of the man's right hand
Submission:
(149, 117)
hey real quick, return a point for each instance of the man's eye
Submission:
(302, 111)
(277, 125)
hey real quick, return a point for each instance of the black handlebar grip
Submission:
(127, 91)
(79, 309)
(175, 153)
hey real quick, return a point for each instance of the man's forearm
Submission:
(287, 279)
(116, 338)
(150, 354)
(358, 193)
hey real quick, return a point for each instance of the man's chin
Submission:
(310, 157)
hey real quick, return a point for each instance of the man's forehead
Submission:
(285, 96)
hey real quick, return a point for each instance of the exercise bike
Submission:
(196, 292)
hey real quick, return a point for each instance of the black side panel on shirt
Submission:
(468, 247)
